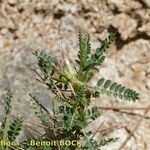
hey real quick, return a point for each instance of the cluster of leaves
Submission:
(70, 107)
(77, 116)
(89, 63)
(44, 62)
(10, 129)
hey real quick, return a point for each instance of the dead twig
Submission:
(27, 126)
(97, 130)
(37, 125)
(106, 131)
(129, 132)
(72, 89)
(34, 70)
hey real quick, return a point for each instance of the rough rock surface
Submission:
(147, 2)
(125, 25)
(26, 25)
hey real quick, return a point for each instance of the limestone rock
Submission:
(125, 24)
(125, 5)
(147, 2)
(145, 28)
(12, 2)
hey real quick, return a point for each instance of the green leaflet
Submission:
(117, 90)
(84, 44)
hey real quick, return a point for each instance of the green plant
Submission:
(10, 129)
(71, 92)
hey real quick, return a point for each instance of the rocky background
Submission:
(53, 25)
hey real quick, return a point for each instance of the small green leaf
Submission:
(100, 82)
(118, 87)
(113, 86)
(107, 84)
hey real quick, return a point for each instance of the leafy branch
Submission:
(89, 63)
(117, 90)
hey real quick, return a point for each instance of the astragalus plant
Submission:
(71, 94)
(10, 128)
